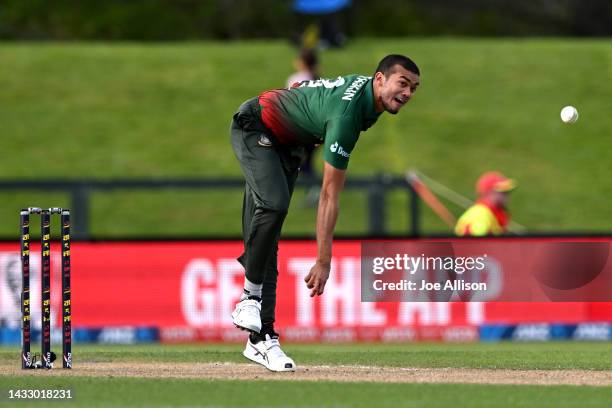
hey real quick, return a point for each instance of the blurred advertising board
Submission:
(180, 291)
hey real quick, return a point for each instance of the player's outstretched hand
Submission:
(317, 278)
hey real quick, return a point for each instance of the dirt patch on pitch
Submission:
(344, 373)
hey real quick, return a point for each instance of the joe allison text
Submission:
(450, 284)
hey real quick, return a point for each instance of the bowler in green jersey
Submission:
(269, 135)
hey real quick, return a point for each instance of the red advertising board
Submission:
(188, 289)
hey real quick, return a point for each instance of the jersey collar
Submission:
(369, 110)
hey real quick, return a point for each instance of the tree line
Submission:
(169, 20)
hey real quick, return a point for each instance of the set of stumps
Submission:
(46, 358)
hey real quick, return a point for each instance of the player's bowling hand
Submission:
(317, 278)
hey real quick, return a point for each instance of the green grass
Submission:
(150, 392)
(526, 356)
(140, 392)
(132, 110)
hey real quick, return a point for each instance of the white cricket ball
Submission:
(569, 114)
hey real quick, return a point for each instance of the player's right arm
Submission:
(340, 138)
(327, 214)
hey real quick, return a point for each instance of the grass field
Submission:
(163, 110)
(171, 376)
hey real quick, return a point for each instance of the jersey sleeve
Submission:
(341, 135)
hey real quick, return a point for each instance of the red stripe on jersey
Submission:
(273, 117)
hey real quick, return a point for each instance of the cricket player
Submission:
(270, 134)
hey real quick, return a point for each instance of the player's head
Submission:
(395, 80)
(309, 60)
(494, 187)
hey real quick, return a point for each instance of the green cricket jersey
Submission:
(328, 112)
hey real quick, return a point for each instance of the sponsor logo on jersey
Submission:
(354, 87)
(336, 148)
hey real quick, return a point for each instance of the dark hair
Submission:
(309, 57)
(386, 64)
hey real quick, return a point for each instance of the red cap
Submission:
(494, 181)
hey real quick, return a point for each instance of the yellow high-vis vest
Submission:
(478, 221)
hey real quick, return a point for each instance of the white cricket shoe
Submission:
(246, 315)
(269, 354)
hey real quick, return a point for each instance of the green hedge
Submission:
(142, 20)
(155, 20)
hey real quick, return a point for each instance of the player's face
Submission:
(397, 88)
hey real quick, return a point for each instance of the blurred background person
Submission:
(320, 22)
(307, 69)
(489, 215)
(306, 66)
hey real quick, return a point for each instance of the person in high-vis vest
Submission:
(489, 214)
